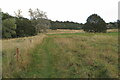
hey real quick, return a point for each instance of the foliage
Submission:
(95, 24)
(42, 25)
(65, 25)
(6, 16)
(9, 27)
(112, 25)
(39, 20)
(24, 27)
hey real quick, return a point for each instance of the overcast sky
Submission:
(63, 10)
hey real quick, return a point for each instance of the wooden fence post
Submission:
(17, 53)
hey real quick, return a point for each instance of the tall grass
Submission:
(74, 56)
(62, 55)
(9, 53)
(93, 56)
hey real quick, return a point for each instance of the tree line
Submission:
(65, 25)
(18, 26)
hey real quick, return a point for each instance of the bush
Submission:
(95, 24)
(8, 28)
(24, 28)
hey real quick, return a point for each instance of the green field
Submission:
(72, 55)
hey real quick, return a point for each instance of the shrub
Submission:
(95, 24)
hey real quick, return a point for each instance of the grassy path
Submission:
(42, 61)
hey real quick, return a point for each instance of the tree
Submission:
(65, 25)
(39, 20)
(8, 28)
(18, 13)
(37, 14)
(6, 16)
(32, 14)
(95, 24)
(112, 25)
(24, 27)
(42, 25)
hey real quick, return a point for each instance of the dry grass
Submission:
(112, 30)
(74, 31)
(64, 31)
(9, 50)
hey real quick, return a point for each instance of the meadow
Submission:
(62, 54)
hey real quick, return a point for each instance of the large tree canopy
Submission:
(95, 24)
